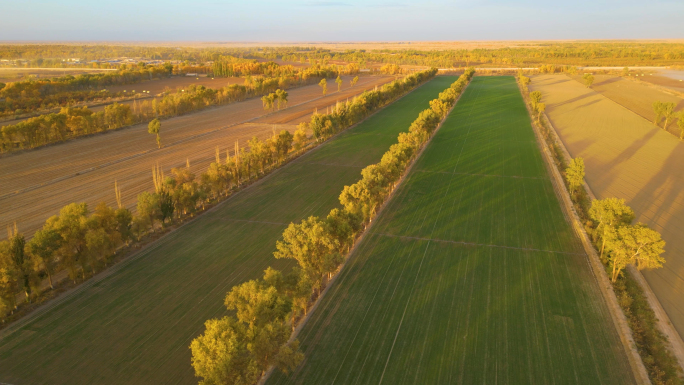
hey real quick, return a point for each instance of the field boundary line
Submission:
(618, 317)
(250, 221)
(144, 250)
(366, 231)
(491, 175)
(172, 144)
(475, 244)
(676, 344)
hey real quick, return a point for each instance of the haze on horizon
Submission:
(338, 20)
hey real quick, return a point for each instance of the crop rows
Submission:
(471, 273)
(135, 325)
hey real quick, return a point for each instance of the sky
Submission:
(338, 20)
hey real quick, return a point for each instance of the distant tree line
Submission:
(624, 53)
(33, 94)
(559, 54)
(83, 242)
(271, 306)
(75, 122)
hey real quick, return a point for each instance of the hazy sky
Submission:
(343, 20)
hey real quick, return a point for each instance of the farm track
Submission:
(36, 184)
(425, 298)
(627, 157)
(136, 325)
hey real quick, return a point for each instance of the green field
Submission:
(471, 274)
(135, 326)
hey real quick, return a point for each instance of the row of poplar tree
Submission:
(33, 94)
(75, 122)
(239, 349)
(83, 242)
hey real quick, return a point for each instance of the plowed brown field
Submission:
(36, 184)
(627, 157)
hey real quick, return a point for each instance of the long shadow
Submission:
(555, 81)
(607, 81)
(608, 178)
(589, 103)
(572, 100)
(579, 146)
(672, 275)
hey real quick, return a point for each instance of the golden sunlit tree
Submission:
(324, 86)
(154, 127)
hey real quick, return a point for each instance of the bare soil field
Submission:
(636, 96)
(627, 157)
(36, 184)
(662, 80)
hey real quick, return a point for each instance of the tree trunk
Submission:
(49, 278)
(603, 245)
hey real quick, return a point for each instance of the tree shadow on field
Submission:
(607, 81)
(608, 177)
(587, 104)
(665, 189)
(579, 146)
(552, 82)
(571, 100)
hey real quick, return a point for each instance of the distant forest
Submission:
(610, 53)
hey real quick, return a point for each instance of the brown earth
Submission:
(636, 96)
(627, 157)
(36, 184)
(664, 81)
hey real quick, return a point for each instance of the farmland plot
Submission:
(35, 184)
(627, 157)
(637, 97)
(135, 325)
(471, 273)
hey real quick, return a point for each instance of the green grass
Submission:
(471, 274)
(136, 325)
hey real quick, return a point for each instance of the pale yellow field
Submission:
(627, 157)
(636, 96)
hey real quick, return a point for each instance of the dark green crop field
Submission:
(471, 275)
(135, 326)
